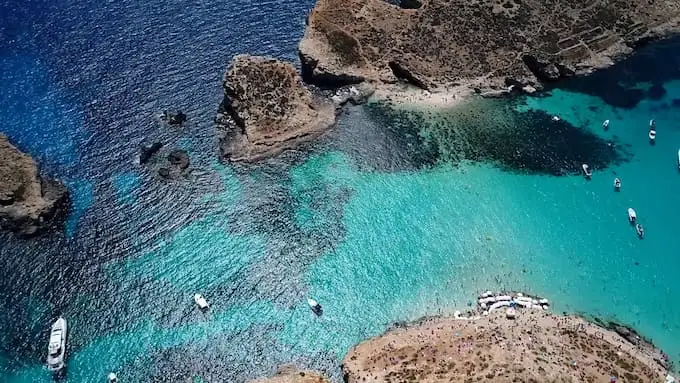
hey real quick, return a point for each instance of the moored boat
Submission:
(605, 124)
(56, 349)
(632, 216)
(113, 378)
(640, 231)
(315, 306)
(652, 135)
(586, 171)
(617, 184)
(678, 159)
(201, 302)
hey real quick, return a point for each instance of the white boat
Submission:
(605, 124)
(617, 184)
(113, 378)
(56, 349)
(632, 217)
(652, 124)
(201, 302)
(678, 159)
(652, 135)
(640, 231)
(555, 118)
(586, 170)
(315, 306)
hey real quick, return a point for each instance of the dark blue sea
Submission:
(392, 215)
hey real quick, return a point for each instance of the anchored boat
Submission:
(632, 217)
(201, 302)
(678, 159)
(652, 135)
(586, 171)
(617, 184)
(605, 124)
(315, 306)
(56, 349)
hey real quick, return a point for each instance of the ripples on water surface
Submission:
(385, 219)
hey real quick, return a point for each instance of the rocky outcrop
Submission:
(290, 374)
(28, 203)
(439, 44)
(267, 109)
(532, 347)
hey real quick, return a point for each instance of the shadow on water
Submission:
(640, 76)
(494, 131)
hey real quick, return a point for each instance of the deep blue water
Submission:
(400, 209)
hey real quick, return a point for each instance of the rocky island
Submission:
(482, 44)
(267, 109)
(28, 203)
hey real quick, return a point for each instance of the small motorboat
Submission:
(652, 124)
(113, 378)
(617, 184)
(586, 171)
(315, 306)
(632, 217)
(605, 124)
(640, 231)
(678, 159)
(201, 302)
(555, 118)
(56, 349)
(652, 135)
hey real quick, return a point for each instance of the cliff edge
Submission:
(28, 203)
(266, 109)
(483, 44)
(533, 347)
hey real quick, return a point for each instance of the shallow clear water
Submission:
(389, 217)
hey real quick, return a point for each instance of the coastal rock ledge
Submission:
(290, 374)
(485, 45)
(266, 109)
(28, 203)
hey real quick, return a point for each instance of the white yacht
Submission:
(315, 306)
(632, 217)
(605, 124)
(56, 349)
(678, 159)
(652, 135)
(617, 184)
(586, 171)
(201, 302)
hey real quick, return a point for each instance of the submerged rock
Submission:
(174, 118)
(438, 43)
(179, 158)
(28, 203)
(266, 110)
(146, 152)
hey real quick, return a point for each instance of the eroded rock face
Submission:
(28, 203)
(444, 43)
(266, 109)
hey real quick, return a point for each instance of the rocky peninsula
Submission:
(267, 109)
(28, 203)
(485, 45)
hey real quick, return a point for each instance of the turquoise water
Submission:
(387, 218)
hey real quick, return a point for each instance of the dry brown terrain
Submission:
(289, 374)
(27, 202)
(267, 109)
(535, 347)
(436, 44)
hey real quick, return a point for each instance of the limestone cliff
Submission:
(267, 109)
(479, 43)
(28, 202)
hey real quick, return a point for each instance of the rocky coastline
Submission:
(484, 47)
(29, 203)
(267, 109)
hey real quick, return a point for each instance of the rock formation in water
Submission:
(480, 43)
(28, 203)
(534, 347)
(267, 109)
(289, 374)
